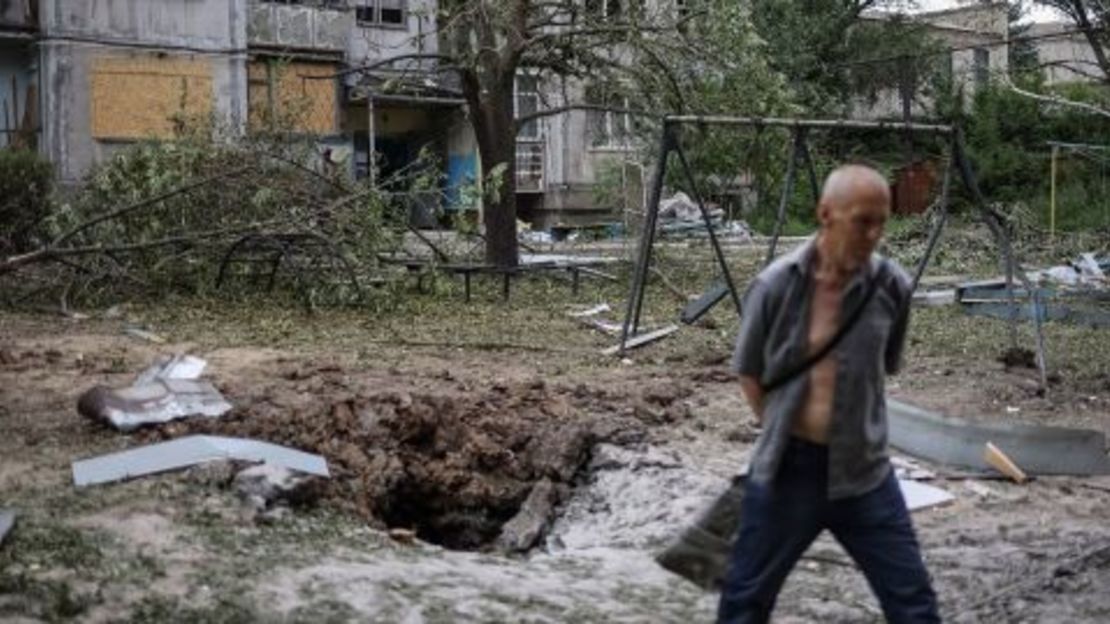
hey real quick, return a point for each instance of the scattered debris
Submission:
(177, 366)
(594, 311)
(143, 334)
(931, 298)
(404, 536)
(1084, 271)
(268, 485)
(956, 442)
(609, 328)
(1066, 294)
(1001, 462)
(7, 521)
(167, 390)
(920, 495)
(641, 340)
(980, 488)
(906, 468)
(189, 451)
(530, 524)
(156, 402)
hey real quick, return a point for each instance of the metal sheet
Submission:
(957, 442)
(178, 366)
(158, 401)
(189, 451)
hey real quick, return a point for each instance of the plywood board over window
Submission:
(293, 95)
(144, 96)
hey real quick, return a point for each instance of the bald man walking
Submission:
(821, 461)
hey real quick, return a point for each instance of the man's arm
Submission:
(753, 392)
(896, 340)
(747, 359)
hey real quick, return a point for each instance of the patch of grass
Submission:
(44, 543)
(47, 599)
(159, 609)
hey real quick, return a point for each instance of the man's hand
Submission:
(753, 392)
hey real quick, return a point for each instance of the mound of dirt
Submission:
(454, 466)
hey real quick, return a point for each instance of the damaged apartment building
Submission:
(80, 79)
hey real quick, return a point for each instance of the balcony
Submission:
(311, 26)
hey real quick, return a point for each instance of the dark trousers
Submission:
(780, 520)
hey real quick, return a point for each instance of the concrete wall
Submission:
(91, 48)
(1064, 53)
(370, 43)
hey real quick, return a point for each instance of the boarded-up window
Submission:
(147, 96)
(292, 96)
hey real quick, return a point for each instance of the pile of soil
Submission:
(453, 465)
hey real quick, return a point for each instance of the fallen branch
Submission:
(1057, 100)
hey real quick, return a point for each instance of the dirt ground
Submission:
(444, 427)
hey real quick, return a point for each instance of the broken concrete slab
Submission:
(7, 521)
(641, 340)
(957, 442)
(190, 451)
(266, 485)
(525, 529)
(158, 401)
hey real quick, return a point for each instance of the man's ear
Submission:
(824, 211)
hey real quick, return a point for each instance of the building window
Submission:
(381, 12)
(608, 128)
(982, 67)
(526, 101)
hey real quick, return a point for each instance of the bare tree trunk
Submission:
(497, 149)
(1092, 34)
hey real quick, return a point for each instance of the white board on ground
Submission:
(920, 495)
(189, 451)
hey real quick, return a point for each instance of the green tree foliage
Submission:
(26, 182)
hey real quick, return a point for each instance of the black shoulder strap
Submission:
(827, 348)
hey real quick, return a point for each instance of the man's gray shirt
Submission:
(774, 337)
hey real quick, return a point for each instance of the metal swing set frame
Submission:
(956, 162)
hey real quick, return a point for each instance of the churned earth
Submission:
(441, 425)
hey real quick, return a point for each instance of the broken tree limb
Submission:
(1055, 100)
(1002, 463)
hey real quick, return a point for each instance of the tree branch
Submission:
(1056, 100)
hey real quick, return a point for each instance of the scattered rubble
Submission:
(267, 485)
(167, 390)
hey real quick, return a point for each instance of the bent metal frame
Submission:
(670, 143)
